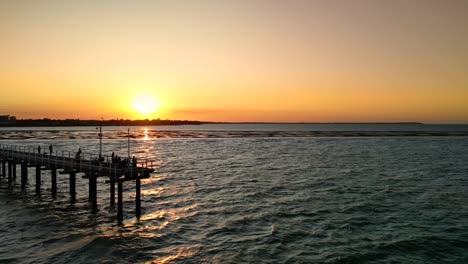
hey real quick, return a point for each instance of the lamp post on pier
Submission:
(100, 142)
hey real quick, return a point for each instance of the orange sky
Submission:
(281, 61)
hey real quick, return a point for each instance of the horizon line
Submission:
(199, 122)
(218, 122)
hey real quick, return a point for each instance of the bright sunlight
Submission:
(145, 104)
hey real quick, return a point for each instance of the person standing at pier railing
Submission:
(78, 154)
(51, 149)
(39, 149)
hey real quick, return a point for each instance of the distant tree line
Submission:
(7, 120)
(113, 122)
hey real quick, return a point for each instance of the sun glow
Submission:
(146, 104)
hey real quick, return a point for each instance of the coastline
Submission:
(158, 122)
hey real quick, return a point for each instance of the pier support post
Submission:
(138, 198)
(90, 186)
(72, 186)
(24, 174)
(112, 191)
(10, 170)
(119, 202)
(53, 174)
(38, 178)
(13, 165)
(3, 168)
(93, 191)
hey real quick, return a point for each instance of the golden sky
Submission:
(271, 60)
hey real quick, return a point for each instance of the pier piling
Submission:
(3, 168)
(10, 171)
(90, 186)
(138, 198)
(112, 191)
(53, 174)
(13, 165)
(24, 174)
(72, 186)
(119, 202)
(93, 192)
(38, 179)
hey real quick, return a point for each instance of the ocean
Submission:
(253, 193)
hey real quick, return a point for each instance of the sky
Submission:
(236, 61)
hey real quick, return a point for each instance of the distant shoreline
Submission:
(321, 123)
(46, 122)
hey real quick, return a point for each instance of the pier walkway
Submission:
(92, 166)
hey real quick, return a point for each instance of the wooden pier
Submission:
(91, 166)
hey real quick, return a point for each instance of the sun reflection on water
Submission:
(182, 252)
(150, 231)
(170, 215)
(146, 135)
(150, 224)
(153, 192)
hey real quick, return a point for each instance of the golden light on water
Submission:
(145, 135)
(180, 253)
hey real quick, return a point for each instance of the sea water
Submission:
(248, 199)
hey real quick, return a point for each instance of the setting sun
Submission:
(145, 104)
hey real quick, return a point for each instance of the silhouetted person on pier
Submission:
(113, 157)
(118, 160)
(78, 154)
(39, 149)
(134, 161)
(51, 149)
